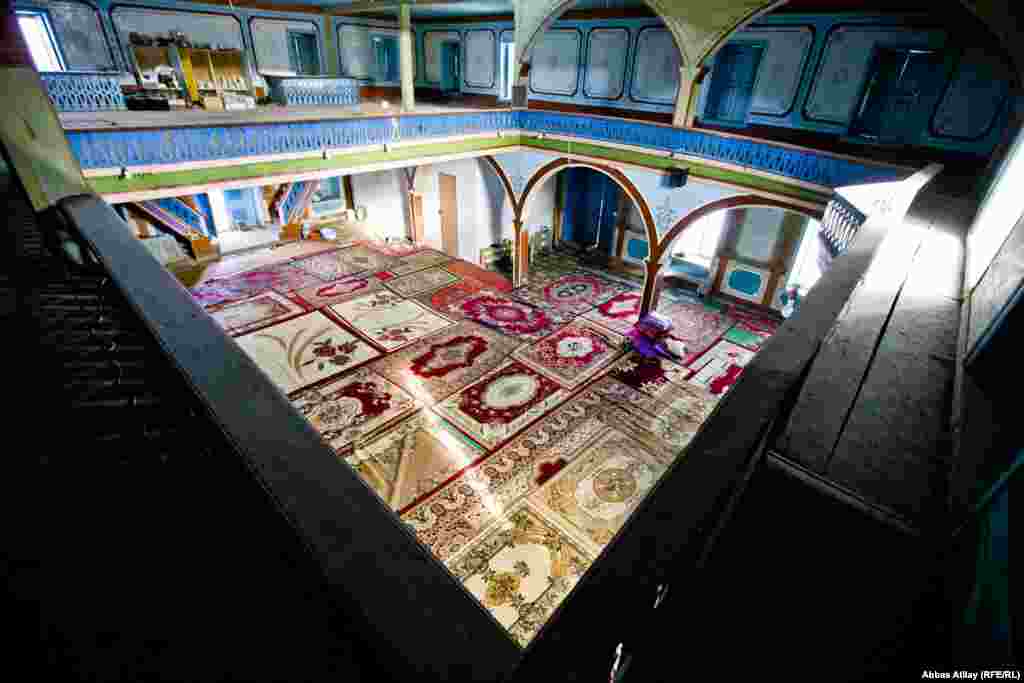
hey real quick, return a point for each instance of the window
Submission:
(508, 69)
(805, 270)
(385, 54)
(699, 242)
(36, 29)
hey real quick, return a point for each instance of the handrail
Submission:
(668, 529)
(409, 599)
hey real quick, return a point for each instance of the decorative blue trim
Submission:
(303, 91)
(126, 148)
(184, 213)
(83, 92)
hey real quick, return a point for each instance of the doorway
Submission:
(449, 67)
(303, 55)
(449, 214)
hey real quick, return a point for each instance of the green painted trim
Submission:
(343, 162)
(330, 46)
(349, 162)
(697, 169)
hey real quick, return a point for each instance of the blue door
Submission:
(732, 83)
(386, 55)
(449, 67)
(590, 209)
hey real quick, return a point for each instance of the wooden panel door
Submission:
(449, 214)
(416, 209)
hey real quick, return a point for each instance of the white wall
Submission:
(221, 217)
(758, 233)
(383, 195)
(485, 213)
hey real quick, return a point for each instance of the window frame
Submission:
(43, 16)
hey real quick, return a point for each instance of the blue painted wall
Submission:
(473, 78)
(589, 208)
(815, 69)
(242, 16)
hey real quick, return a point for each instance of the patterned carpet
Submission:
(509, 428)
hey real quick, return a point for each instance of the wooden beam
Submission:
(350, 194)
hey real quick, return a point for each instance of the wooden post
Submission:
(520, 253)
(556, 214)
(406, 58)
(350, 194)
(649, 298)
(620, 227)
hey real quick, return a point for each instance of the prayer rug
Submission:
(389, 320)
(514, 318)
(573, 354)
(618, 313)
(439, 365)
(521, 570)
(352, 407)
(696, 326)
(572, 293)
(282, 278)
(594, 494)
(495, 407)
(424, 258)
(491, 279)
(421, 282)
(304, 350)
(262, 309)
(650, 375)
(337, 265)
(348, 287)
(412, 458)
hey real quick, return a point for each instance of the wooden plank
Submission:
(839, 370)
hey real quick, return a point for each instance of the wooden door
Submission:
(449, 214)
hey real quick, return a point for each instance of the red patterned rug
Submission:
(571, 293)
(618, 313)
(573, 354)
(489, 278)
(282, 278)
(695, 326)
(505, 315)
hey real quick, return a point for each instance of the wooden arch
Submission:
(734, 202)
(550, 169)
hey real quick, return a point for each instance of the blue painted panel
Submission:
(831, 79)
(637, 248)
(733, 82)
(589, 213)
(745, 281)
(83, 92)
(98, 149)
(687, 269)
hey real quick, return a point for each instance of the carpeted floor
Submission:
(509, 428)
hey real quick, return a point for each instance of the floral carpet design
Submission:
(282, 278)
(389, 320)
(573, 354)
(495, 407)
(335, 265)
(348, 287)
(413, 458)
(425, 258)
(352, 407)
(436, 367)
(618, 313)
(572, 293)
(597, 492)
(505, 315)
(304, 350)
(508, 429)
(695, 326)
(521, 570)
(421, 282)
(262, 309)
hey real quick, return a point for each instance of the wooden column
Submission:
(649, 298)
(620, 228)
(406, 59)
(521, 253)
(350, 194)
